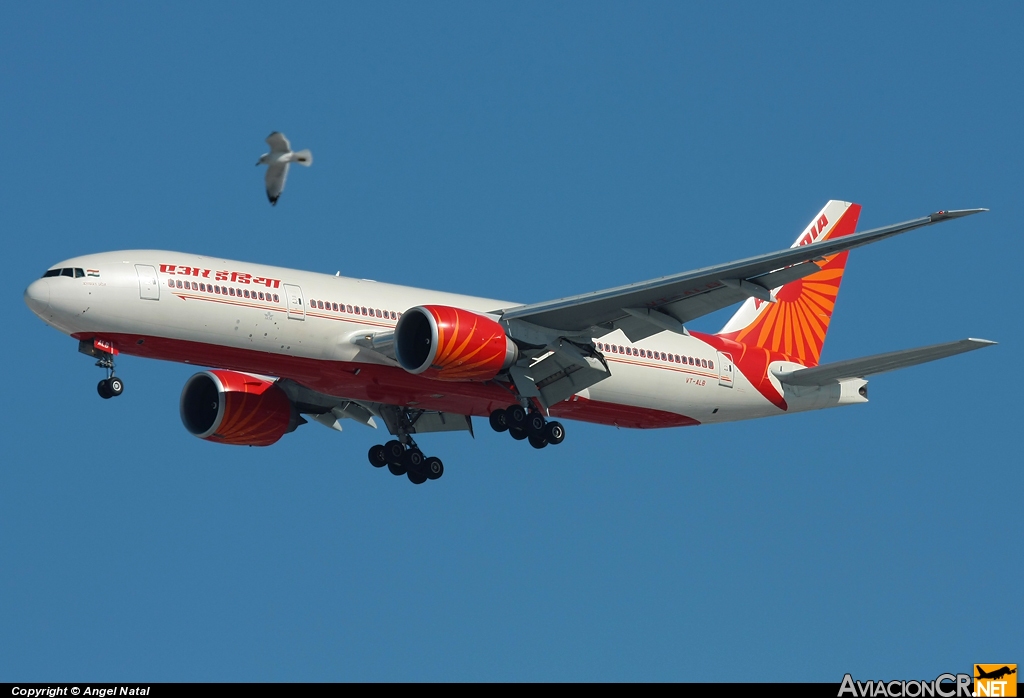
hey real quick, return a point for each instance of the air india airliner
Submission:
(285, 345)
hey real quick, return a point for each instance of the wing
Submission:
(278, 143)
(648, 307)
(880, 363)
(275, 179)
(330, 411)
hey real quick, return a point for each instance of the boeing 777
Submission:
(284, 344)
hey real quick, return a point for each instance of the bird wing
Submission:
(278, 143)
(276, 176)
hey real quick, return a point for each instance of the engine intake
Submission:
(236, 408)
(452, 344)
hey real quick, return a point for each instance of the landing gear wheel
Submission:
(115, 385)
(434, 468)
(416, 478)
(535, 425)
(515, 416)
(103, 388)
(554, 433)
(413, 459)
(397, 469)
(499, 421)
(393, 451)
(376, 456)
(537, 441)
(517, 434)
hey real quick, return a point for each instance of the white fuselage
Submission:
(252, 317)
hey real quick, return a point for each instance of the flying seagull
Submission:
(277, 163)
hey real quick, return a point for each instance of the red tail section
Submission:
(795, 325)
(793, 328)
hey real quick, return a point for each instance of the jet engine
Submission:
(228, 407)
(452, 344)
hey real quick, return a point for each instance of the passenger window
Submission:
(202, 286)
(704, 363)
(195, 286)
(51, 272)
(334, 307)
(363, 309)
(711, 364)
(348, 308)
(79, 273)
(275, 298)
(231, 291)
(170, 282)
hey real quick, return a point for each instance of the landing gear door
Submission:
(726, 370)
(149, 284)
(296, 308)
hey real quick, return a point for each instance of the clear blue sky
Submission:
(523, 151)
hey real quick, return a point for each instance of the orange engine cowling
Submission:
(236, 408)
(451, 344)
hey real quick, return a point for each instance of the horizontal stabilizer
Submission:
(880, 363)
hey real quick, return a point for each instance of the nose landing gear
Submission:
(111, 386)
(522, 424)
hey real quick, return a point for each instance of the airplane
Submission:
(285, 344)
(995, 674)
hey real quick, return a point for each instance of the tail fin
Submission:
(303, 157)
(796, 323)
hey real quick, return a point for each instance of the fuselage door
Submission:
(149, 284)
(726, 370)
(296, 308)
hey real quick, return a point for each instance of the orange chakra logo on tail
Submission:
(795, 325)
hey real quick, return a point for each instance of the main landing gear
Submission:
(530, 425)
(406, 459)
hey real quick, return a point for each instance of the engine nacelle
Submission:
(452, 344)
(236, 408)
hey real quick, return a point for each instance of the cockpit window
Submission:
(51, 272)
(79, 272)
(68, 272)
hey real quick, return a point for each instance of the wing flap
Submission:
(879, 363)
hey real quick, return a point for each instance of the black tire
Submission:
(393, 451)
(515, 417)
(498, 421)
(397, 469)
(535, 424)
(416, 478)
(554, 432)
(517, 434)
(414, 459)
(376, 456)
(537, 442)
(115, 385)
(434, 468)
(104, 389)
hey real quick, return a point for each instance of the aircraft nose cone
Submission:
(37, 296)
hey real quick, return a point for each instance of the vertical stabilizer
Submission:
(796, 323)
